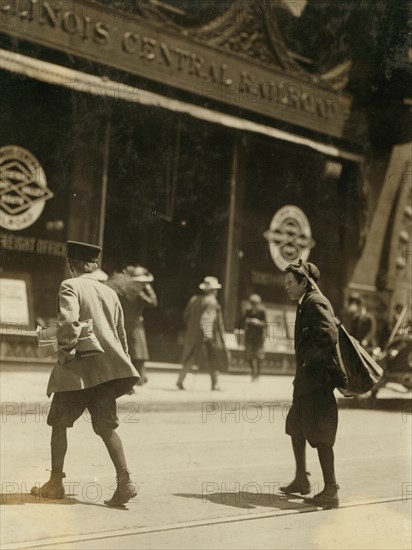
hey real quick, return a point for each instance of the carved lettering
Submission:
(130, 41)
(179, 61)
(101, 33)
(86, 27)
(148, 46)
(165, 54)
(196, 65)
(308, 103)
(51, 15)
(225, 80)
(182, 55)
(70, 22)
(212, 72)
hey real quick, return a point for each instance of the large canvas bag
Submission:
(361, 371)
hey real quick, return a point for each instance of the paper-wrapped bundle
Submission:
(87, 343)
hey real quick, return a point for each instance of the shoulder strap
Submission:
(315, 286)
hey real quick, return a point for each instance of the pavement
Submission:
(208, 466)
(23, 389)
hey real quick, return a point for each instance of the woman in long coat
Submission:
(135, 293)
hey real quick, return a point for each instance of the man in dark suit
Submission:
(313, 416)
(93, 382)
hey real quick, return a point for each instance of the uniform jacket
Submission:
(316, 336)
(134, 323)
(79, 299)
(204, 320)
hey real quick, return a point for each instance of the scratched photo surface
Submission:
(206, 274)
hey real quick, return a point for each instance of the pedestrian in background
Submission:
(361, 323)
(204, 342)
(313, 416)
(93, 382)
(253, 323)
(133, 286)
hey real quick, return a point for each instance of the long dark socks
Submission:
(115, 447)
(58, 449)
(327, 463)
(299, 450)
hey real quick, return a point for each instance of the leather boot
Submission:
(52, 489)
(125, 490)
(300, 485)
(328, 498)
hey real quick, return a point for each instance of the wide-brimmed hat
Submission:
(139, 274)
(83, 251)
(210, 283)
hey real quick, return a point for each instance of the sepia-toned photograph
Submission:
(206, 274)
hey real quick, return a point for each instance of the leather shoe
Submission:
(180, 386)
(125, 490)
(300, 485)
(328, 498)
(52, 489)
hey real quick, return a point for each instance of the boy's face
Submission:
(295, 290)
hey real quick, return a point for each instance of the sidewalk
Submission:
(197, 472)
(25, 390)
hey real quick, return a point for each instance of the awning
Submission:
(102, 86)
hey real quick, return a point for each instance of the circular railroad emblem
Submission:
(23, 188)
(289, 236)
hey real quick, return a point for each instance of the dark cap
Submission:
(305, 268)
(83, 251)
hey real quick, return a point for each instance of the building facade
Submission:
(195, 142)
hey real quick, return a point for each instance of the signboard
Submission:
(10, 243)
(101, 34)
(14, 305)
(289, 236)
(23, 188)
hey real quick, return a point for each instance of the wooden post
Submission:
(103, 198)
(231, 277)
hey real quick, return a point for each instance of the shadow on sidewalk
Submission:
(250, 500)
(398, 404)
(28, 498)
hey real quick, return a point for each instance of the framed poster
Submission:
(16, 300)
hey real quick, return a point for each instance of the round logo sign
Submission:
(23, 188)
(289, 236)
